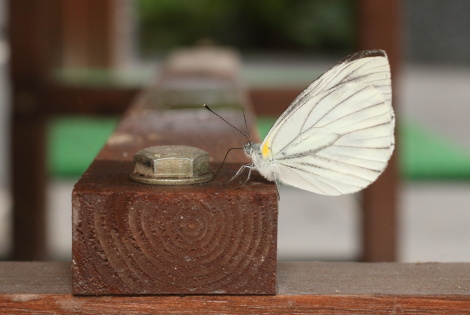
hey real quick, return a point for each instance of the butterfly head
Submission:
(251, 148)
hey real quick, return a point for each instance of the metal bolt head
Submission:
(171, 165)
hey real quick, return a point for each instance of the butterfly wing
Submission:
(337, 135)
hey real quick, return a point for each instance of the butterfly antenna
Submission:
(223, 161)
(246, 125)
(244, 134)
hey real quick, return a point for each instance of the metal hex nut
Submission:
(171, 165)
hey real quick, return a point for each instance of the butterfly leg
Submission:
(278, 187)
(250, 167)
(240, 170)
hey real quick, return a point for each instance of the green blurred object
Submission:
(75, 141)
(424, 155)
(254, 25)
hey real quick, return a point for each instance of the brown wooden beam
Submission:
(31, 34)
(303, 288)
(88, 33)
(41, 37)
(218, 237)
(103, 100)
(86, 100)
(29, 188)
(379, 28)
(272, 101)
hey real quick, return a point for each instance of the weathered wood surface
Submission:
(139, 239)
(303, 288)
(219, 237)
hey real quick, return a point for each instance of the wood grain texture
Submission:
(140, 239)
(218, 237)
(303, 288)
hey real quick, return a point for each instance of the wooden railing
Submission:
(302, 288)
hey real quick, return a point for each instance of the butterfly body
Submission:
(263, 163)
(338, 135)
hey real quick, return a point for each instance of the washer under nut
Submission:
(171, 165)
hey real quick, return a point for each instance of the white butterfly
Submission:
(338, 135)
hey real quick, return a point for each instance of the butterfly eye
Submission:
(248, 147)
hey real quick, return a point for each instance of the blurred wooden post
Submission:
(95, 34)
(46, 35)
(379, 28)
(31, 36)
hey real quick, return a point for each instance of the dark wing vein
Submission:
(300, 173)
(332, 108)
(331, 170)
(349, 114)
(320, 176)
(365, 128)
(346, 163)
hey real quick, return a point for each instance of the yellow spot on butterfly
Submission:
(265, 150)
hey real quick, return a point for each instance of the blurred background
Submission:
(282, 45)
